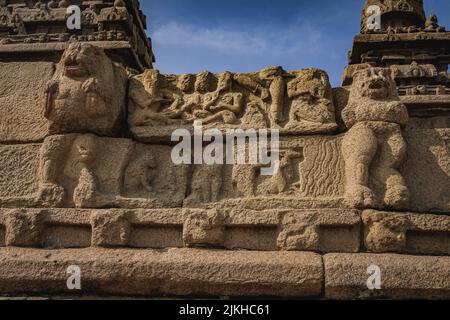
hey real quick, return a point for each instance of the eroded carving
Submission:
(150, 179)
(73, 171)
(23, 229)
(110, 229)
(203, 228)
(87, 93)
(298, 232)
(374, 147)
(87, 171)
(310, 169)
(385, 233)
(294, 102)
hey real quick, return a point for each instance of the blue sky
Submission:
(190, 36)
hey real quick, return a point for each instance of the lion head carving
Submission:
(81, 61)
(374, 83)
(86, 93)
(386, 233)
(374, 97)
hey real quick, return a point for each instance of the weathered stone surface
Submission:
(311, 170)
(402, 276)
(328, 230)
(373, 97)
(319, 230)
(295, 102)
(18, 171)
(87, 93)
(182, 272)
(122, 173)
(151, 179)
(95, 184)
(374, 147)
(110, 229)
(406, 233)
(203, 228)
(37, 27)
(22, 97)
(23, 228)
(427, 165)
(81, 171)
(87, 171)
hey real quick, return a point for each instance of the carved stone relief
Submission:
(294, 102)
(86, 94)
(87, 171)
(374, 147)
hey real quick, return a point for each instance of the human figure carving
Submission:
(374, 147)
(146, 99)
(141, 173)
(224, 105)
(312, 103)
(254, 116)
(207, 183)
(270, 86)
(71, 156)
(190, 105)
(86, 192)
(53, 152)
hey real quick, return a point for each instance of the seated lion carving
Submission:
(87, 93)
(374, 147)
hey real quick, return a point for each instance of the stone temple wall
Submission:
(87, 175)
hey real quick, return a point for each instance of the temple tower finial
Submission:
(395, 13)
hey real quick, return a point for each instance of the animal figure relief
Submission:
(298, 233)
(284, 180)
(385, 233)
(374, 147)
(248, 181)
(87, 93)
(77, 155)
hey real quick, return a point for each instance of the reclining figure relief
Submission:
(87, 93)
(294, 102)
(374, 147)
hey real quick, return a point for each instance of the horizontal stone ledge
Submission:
(60, 46)
(176, 272)
(329, 230)
(412, 233)
(402, 276)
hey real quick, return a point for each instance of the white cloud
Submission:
(301, 38)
